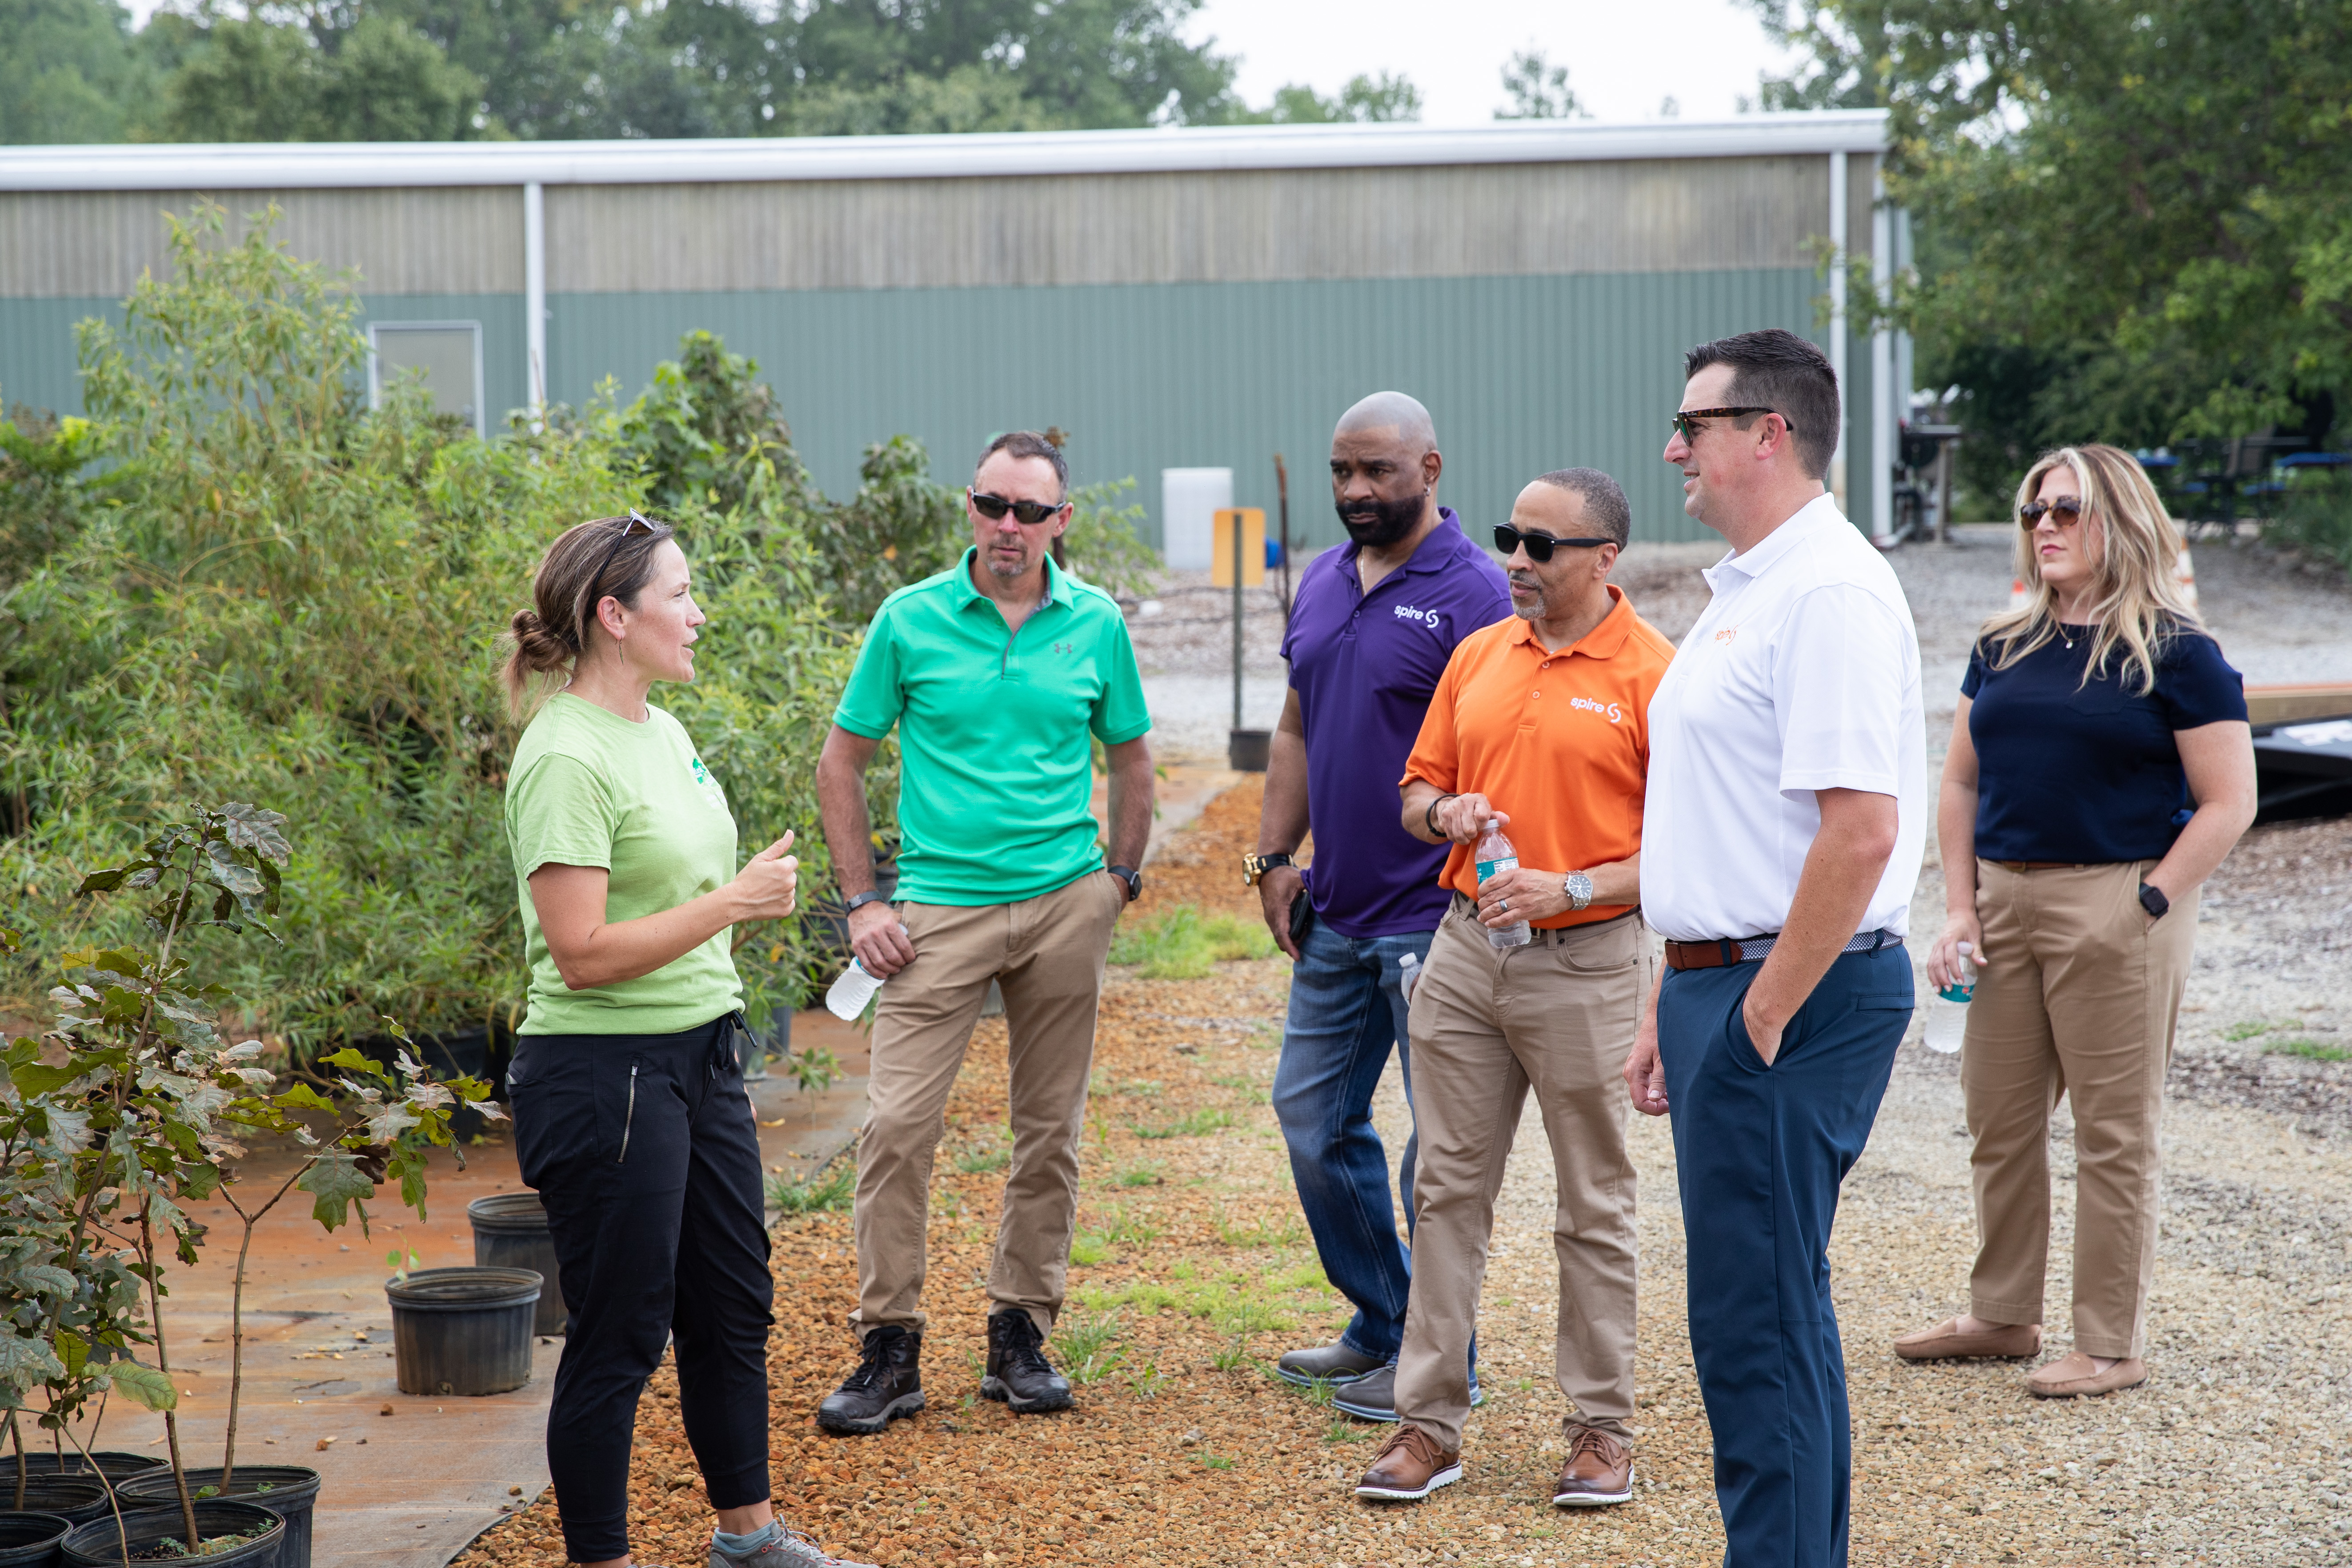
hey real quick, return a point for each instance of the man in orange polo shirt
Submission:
(1540, 723)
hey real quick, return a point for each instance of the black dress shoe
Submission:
(887, 1384)
(1018, 1372)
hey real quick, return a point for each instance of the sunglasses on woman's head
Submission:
(2068, 508)
(1539, 546)
(993, 508)
(635, 522)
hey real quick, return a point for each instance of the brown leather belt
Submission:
(1752, 949)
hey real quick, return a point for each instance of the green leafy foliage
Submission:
(1183, 945)
(377, 80)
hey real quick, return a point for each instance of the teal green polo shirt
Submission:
(995, 776)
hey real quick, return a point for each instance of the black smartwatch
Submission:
(859, 900)
(2153, 901)
(1131, 877)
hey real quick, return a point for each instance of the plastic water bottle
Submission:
(850, 994)
(1496, 856)
(1408, 971)
(1948, 1013)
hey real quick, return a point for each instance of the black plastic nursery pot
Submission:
(464, 1331)
(31, 1539)
(290, 1491)
(74, 1499)
(511, 1232)
(113, 1464)
(98, 1544)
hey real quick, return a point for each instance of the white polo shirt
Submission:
(1803, 675)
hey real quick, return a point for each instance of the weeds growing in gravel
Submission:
(2247, 1030)
(1083, 1346)
(974, 1158)
(1182, 945)
(1150, 1173)
(1343, 1430)
(1216, 1461)
(828, 1189)
(1285, 1230)
(1231, 1356)
(2309, 1050)
(1120, 1225)
(1212, 1118)
(1147, 1379)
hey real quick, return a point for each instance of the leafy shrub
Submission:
(2315, 515)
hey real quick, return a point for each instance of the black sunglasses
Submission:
(629, 525)
(1539, 546)
(1687, 420)
(993, 508)
(2068, 508)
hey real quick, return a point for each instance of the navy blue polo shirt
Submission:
(2088, 771)
(1365, 667)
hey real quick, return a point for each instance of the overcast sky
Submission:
(1623, 57)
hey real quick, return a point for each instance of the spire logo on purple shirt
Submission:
(1434, 619)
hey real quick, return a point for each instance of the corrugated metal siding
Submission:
(451, 241)
(1671, 215)
(1522, 373)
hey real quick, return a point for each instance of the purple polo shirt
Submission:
(1364, 666)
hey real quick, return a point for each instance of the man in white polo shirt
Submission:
(1787, 815)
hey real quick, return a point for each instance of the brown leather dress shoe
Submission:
(2073, 1374)
(1946, 1342)
(1600, 1471)
(1409, 1467)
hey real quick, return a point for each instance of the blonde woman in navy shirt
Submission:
(2101, 766)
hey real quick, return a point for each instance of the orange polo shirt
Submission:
(1559, 743)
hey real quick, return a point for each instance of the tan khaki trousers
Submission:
(2077, 993)
(1488, 1024)
(1047, 955)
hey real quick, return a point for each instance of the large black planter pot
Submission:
(98, 1545)
(511, 1232)
(464, 1331)
(290, 1491)
(74, 1499)
(31, 1539)
(113, 1464)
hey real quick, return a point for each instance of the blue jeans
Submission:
(1761, 1153)
(1346, 1009)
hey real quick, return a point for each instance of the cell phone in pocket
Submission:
(1302, 917)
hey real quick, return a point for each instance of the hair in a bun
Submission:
(607, 557)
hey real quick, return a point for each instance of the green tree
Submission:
(1364, 100)
(380, 80)
(1538, 90)
(68, 70)
(2134, 221)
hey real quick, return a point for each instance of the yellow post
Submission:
(1252, 523)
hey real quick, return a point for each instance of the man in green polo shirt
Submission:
(995, 672)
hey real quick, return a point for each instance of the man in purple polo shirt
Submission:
(1371, 629)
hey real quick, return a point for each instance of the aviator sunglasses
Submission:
(2068, 508)
(1539, 546)
(993, 508)
(1687, 420)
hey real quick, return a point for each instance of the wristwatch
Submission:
(2153, 901)
(859, 900)
(1257, 866)
(1580, 890)
(1131, 877)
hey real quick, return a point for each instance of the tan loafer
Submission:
(1946, 1342)
(2072, 1374)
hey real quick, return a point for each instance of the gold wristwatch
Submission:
(1257, 866)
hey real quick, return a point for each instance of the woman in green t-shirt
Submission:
(630, 1114)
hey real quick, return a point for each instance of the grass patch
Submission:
(2247, 1030)
(1089, 1248)
(1120, 1226)
(1213, 1118)
(1305, 1276)
(1183, 945)
(1134, 1087)
(2309, 1050)
(1287, 1230)
(1150, 1173)
(1343, 1430)
(1148, 1380)
(1084, 1348)
(1231, 1356)
(977, 1157)
(1216, 1461)
(825, 1191)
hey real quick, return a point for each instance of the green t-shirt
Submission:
(590, 788)
(996, 777)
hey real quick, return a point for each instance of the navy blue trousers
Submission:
(1761, 1153)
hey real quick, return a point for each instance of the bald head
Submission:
(1392, 411)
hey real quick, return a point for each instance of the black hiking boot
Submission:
(887, 1384)
(1018, 1372)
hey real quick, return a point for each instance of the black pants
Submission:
(645, 1154)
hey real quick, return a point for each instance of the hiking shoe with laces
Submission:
(1599, 1470)
(1018, 1372)
(887, 1384)
(786, 1548)
(1410, 1466)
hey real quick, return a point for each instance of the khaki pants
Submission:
(1557, 1016)
(2077, 994)
(1047, 955)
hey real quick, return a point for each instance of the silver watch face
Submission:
(1580, 890)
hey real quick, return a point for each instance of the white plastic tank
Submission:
(1190, 499)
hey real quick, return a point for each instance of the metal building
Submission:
(1171, 298)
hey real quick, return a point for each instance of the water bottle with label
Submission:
(1496, 856)
(1948, 1011)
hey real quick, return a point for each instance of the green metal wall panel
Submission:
(1521, 373)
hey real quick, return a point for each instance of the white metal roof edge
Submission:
(319, 165)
